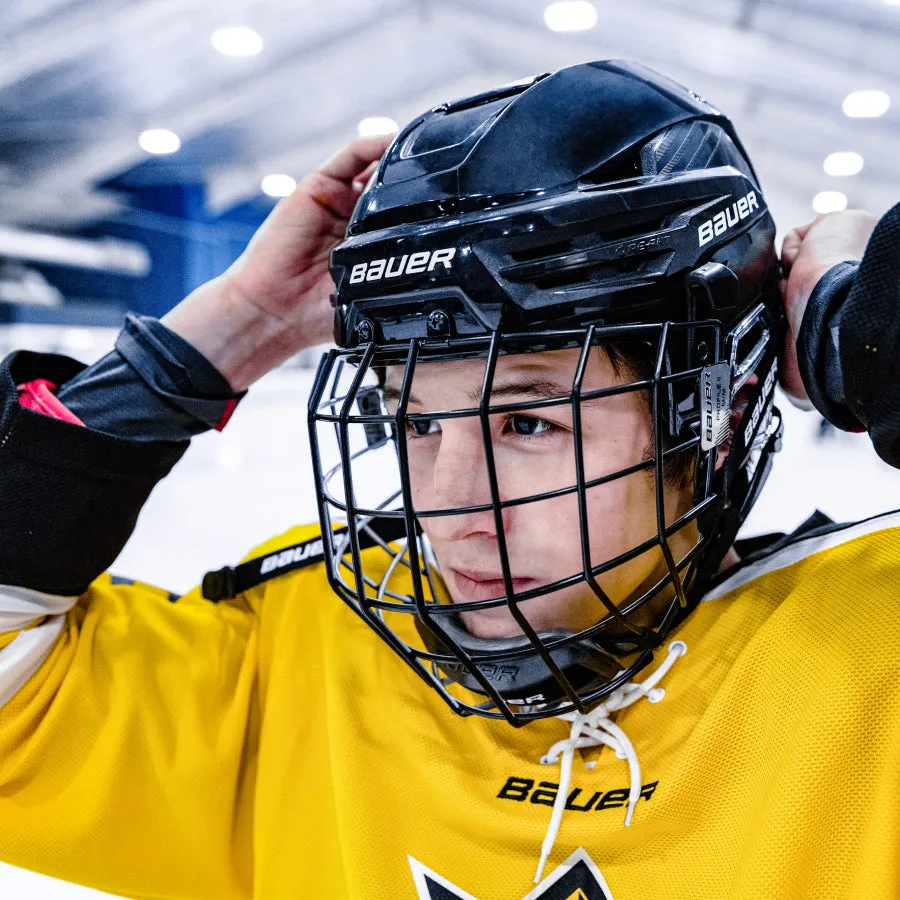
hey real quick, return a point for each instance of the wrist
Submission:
(242, 341)
(802, 291)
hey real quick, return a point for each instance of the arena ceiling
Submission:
(80, 79)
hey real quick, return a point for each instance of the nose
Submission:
(458, 479)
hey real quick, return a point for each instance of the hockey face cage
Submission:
(383, 566)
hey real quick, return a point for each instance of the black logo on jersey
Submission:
(578, 878)
(522, 789)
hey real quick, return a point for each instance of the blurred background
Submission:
(143, 141)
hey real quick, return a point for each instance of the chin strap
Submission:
(594, 729)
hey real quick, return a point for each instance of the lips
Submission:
(469, 585)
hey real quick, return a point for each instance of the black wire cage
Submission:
(375, 534)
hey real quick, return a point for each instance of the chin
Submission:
(493, 624)
(499, 623)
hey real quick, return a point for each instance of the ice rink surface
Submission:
(236, 489)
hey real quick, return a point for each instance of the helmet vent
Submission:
(531, 253)
(624, 167)
(632, 229)
(585, 274)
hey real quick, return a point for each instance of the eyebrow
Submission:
(534, 389)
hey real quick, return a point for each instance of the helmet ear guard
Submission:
(649, 232)
(752, 350)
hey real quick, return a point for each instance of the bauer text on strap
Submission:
(228, 582)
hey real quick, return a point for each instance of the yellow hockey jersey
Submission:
(271, 747)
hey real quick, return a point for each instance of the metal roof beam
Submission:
(118, 150)
(76, 32)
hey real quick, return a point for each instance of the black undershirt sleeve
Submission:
(868, 325)
(818, 347)
(70, 495)
(849, 342)
(154, 386)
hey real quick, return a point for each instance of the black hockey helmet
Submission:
(600, 205)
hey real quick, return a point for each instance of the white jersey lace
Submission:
(594, 729)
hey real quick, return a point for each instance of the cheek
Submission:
(545, 537)
(422, 455)
(618, 509)
(421, 478)
(620, 515)
(523, 475)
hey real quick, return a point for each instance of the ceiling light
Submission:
(570, 15)
(278, 185)
(829, 201)
(374, 125)
(237, 41)
(843, 163)
(159, 141)
(866, 104)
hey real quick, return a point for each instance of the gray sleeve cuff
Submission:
(155, 386)
(818, 349)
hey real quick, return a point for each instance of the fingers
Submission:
(790, 247)
(318, 210)
(362, 179)
(336, 197)
(352, 161)
(792, 241)
(829, 239)
(336, 185)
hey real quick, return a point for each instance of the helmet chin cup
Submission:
(514, 667)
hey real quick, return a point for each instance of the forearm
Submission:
(241, 341)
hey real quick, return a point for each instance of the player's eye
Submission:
(529, 426)
(423, 427)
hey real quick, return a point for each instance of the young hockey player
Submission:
(559, 322)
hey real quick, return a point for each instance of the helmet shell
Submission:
(582, 196)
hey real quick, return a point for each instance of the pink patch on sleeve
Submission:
(230, 407)
(38, 396)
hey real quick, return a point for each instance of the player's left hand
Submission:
(807, 253)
